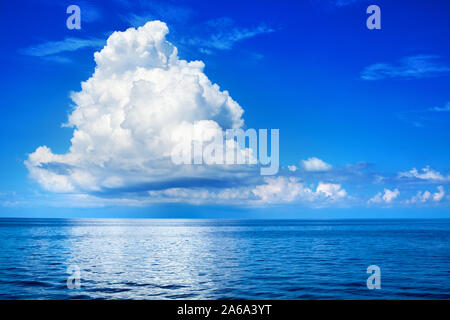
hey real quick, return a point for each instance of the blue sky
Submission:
(363, 114)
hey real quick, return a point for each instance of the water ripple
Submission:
(223, 259)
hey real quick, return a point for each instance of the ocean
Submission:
(223, 259)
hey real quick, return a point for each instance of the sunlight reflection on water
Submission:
(228, 259)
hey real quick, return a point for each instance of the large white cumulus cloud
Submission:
(126, 113)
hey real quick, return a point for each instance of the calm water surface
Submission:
(224, 259)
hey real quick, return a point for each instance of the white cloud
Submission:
(418, 66)
(421, 197)
(426, 174)
(426, 196)
(281, 189)
(388, 197)
(202, 195)
(125, 114)
(52, 48)
(315, 164)
(223, 34)
(439, 195)
(124, 119)
(445, 108)
(331, 190)
(274, 190)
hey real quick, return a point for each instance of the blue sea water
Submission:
(224, 259)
